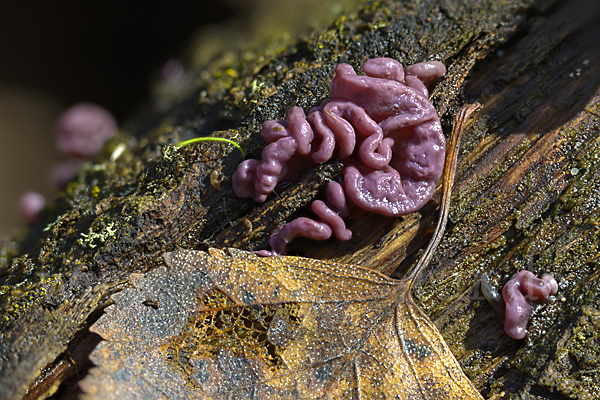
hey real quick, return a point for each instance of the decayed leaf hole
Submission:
(256, 332)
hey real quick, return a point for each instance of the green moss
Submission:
(19, 299)
(573, 371)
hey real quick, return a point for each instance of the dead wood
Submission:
(527, 192)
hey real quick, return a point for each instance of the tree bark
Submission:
(526, 197)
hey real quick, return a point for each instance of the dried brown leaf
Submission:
(236, 325)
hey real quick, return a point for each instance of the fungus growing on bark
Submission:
(520, 294)
(82, 130)
(380, 124)
(80, 133)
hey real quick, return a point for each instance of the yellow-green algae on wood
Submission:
(529, 198)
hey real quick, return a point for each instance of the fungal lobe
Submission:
(381, 125)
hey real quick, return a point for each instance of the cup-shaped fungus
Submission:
(380, 124)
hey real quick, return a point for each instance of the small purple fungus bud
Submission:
(427, 72)
(82, 130)
(381, 124)
(552, 282)
(520, 293)
(30, 204)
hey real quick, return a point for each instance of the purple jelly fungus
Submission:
(520, 294)
(30, 204)
(82, 130)
(380, 124)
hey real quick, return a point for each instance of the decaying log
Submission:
(527, 193)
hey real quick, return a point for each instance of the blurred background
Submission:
(54, 54)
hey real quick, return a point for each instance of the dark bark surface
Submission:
(526, 197)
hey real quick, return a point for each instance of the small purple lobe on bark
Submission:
(82, 130)
(30, 204)
(520, 294)
(381, 124)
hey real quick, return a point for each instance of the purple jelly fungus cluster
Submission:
(82, 130)
(380, 124)
(520, 294)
